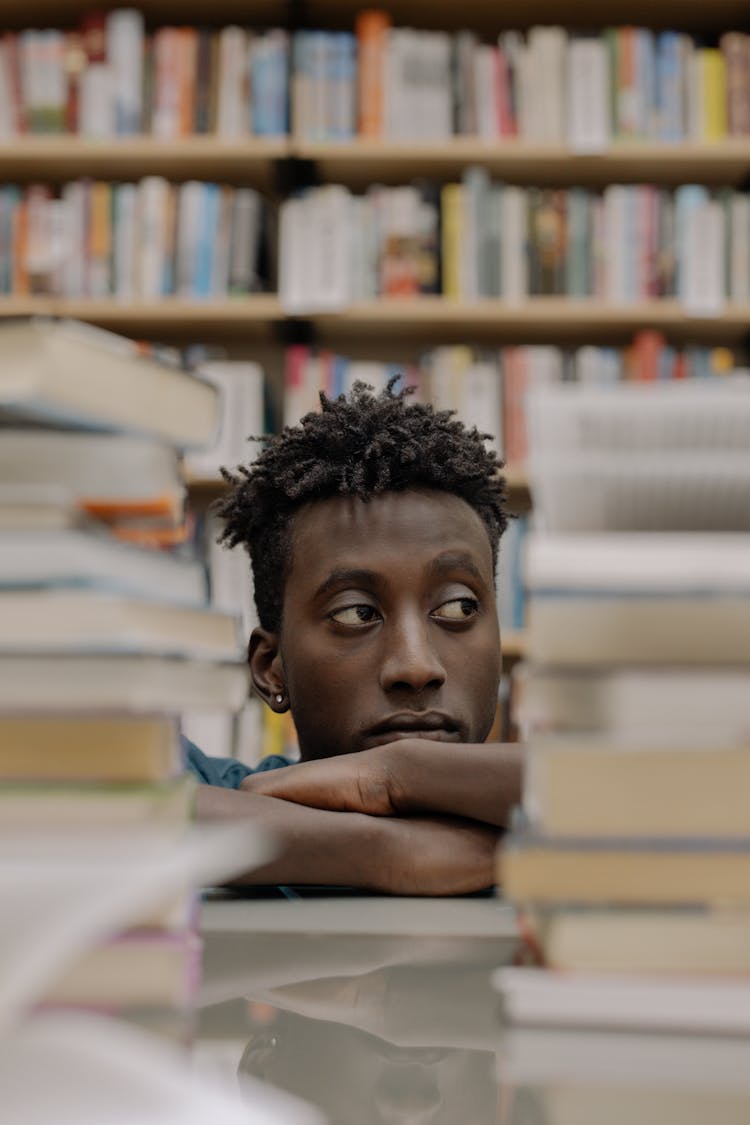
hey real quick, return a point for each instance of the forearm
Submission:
(314, 846)
(421, 855)
(478, 781)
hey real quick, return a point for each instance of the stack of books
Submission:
(106, 636)
(630, 861)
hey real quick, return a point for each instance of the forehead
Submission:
(385, 532)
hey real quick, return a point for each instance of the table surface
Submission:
(380, 1011)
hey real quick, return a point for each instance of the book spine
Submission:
(372, 29)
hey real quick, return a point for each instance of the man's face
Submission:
(389, 627)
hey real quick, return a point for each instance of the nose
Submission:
(410, 661)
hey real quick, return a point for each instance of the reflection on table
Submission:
(401, 1026)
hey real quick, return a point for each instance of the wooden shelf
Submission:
(251, 318)
(484, 14)
(357, 163)
(361, 162)
(61, 158)
(541, 319)
(425, 320)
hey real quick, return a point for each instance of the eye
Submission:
(361, 614)
(457, 609)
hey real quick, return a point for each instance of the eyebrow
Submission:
(347, 576)
(438, 568)
(455, 560)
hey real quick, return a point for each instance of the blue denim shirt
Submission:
(225, 772)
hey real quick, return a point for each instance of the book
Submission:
(75, 375)
(89, 804)
(663, 787)
(87, 621)
(89, 747)
(242, 417)
(653, 563)
(64, 891)
(535, 996)
(635, 703)
(138, 968)
(622, 1062)
(587, 630)
(89, 557)
(127, 681)
(539, 869)
(696, 940)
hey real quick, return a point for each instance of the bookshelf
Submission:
(408, 325)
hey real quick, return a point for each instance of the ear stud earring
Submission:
(279, 698)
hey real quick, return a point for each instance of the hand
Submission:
(361, 782)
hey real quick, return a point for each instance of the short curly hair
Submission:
(362, 446)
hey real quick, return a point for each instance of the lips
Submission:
(427, 724)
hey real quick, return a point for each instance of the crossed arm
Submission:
(413, 817)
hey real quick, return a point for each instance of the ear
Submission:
(267, 669)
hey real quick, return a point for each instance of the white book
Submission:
(74, 275)
(544, 998)
(230, 579)
(96, 104)
(435, 97)
(514, 268)
(701, 260)
(331, 285)
(125, 238)
(587, 87)
(615, 201)
(7, 117)
(89, 557)
(232, 98)
(128, 681)
(543, 82)
(654, 562)
(88, 621)
(295, 237)
(651, 704)
(485, 95)
(165, 117)
(125, 35)
(564, 1058)
(482, 401)
(398, 121)
(739, 247)
(151, 258)
(222, 249)
(240, 383)
(190, 215)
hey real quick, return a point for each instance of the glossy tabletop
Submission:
(381, 1011)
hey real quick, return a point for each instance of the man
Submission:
(373, 531)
